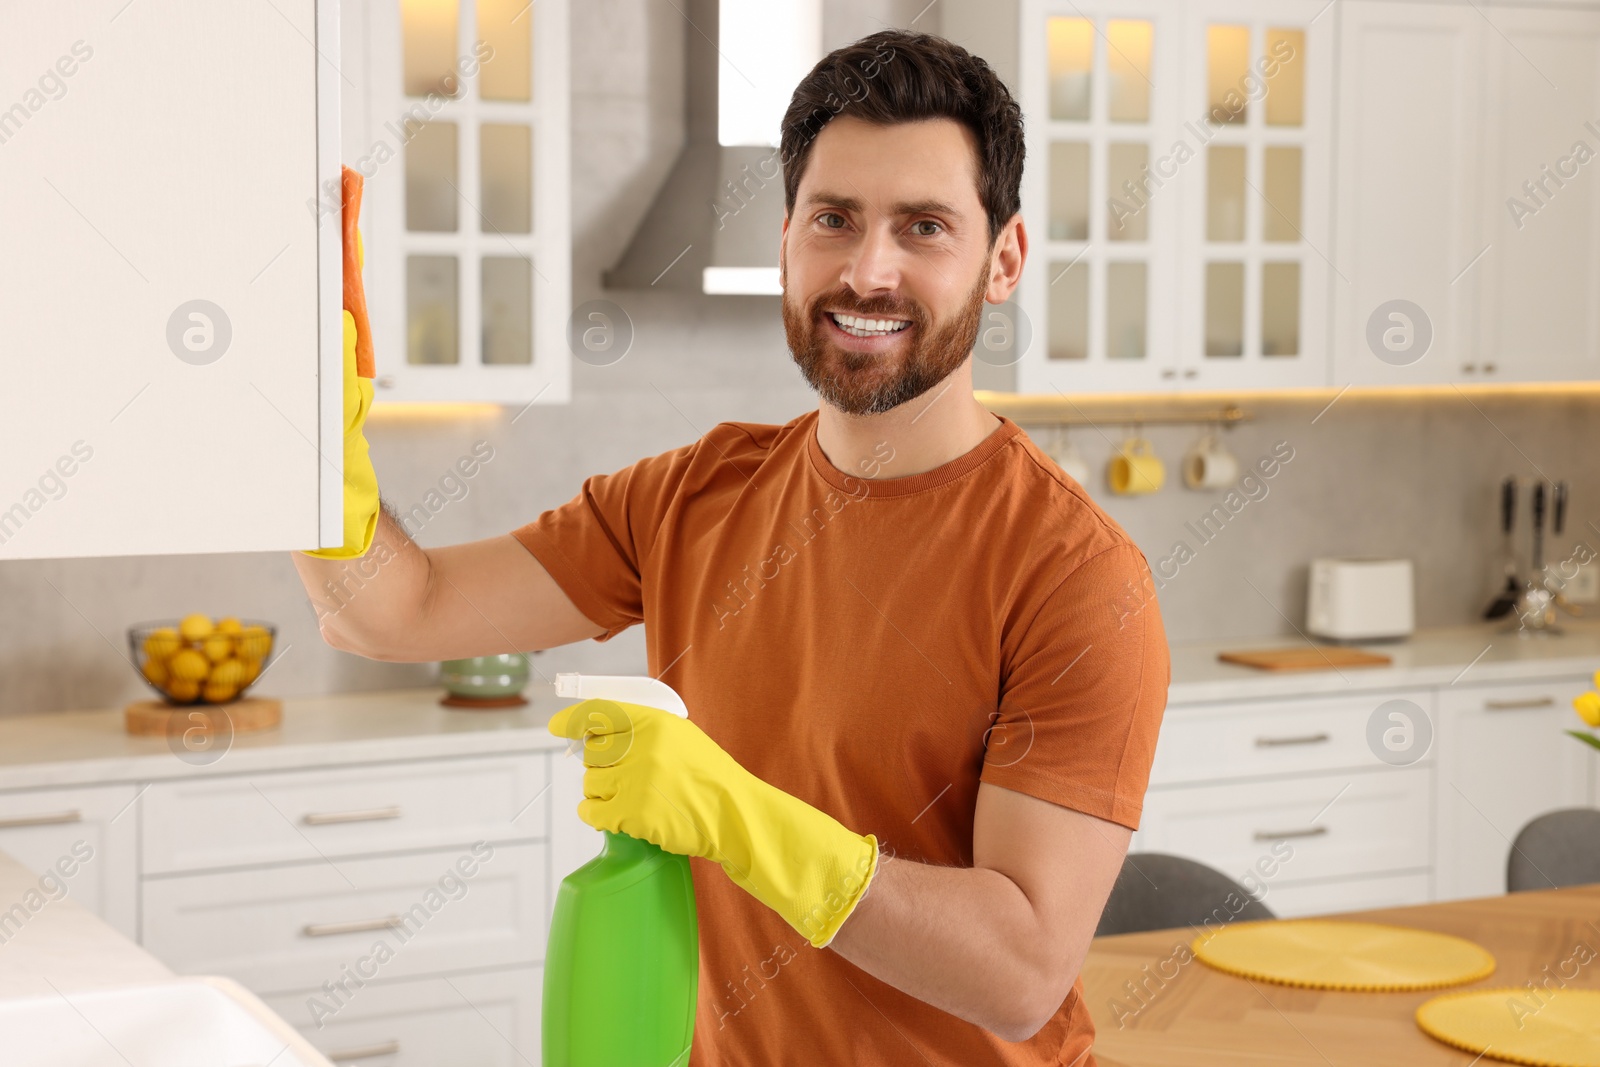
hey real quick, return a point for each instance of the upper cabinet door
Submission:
(1100, 94)
(1176, 194)
(469, 242)
(171, 305)
(1258, 87)
(1540, 205)
(1409, 253)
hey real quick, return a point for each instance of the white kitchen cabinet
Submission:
(1101, 97)
(1255, 213)
(85, 840)
(171, 303)
(1504, 758)
(483, 1019)
(467, 228)
(1314, 827)
(231, 821)
(1176, 194)
(1409, 142)
(1539, 214)
(281, 928)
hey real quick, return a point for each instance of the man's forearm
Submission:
(357, 600)
(964, 939)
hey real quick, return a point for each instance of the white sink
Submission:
(181, 1022)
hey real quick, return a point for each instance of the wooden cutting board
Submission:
(1309, 658)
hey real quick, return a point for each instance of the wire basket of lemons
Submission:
(201, 660)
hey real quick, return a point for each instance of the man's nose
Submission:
(875, 266)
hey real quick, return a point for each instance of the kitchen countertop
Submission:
(83, 747)
(61, 947)
(1465, 655)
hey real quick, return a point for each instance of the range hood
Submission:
(715, 223)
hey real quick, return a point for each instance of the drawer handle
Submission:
(1518, 705)
(1304, 739)
(327, 818)
(1310, 831)
(366, 1052)
(354, 927)
(47, 819)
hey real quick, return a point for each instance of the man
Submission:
(924, 673)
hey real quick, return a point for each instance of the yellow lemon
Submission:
(1587, 706)
(229, 625)
(195, 627)
(183, 690)
(250, 668)
(156, 671)
(1597, 679)
(217, 647)
(226, 672)
(219, 692)
(189, 665)
(159, 644)
(255, 642)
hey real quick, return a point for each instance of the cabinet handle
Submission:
(1489, 368)
(366, 1052)
(1190, 373)
(326, 818)
(1469, 367)
(1310, 831)
(47, 819)
(1169, 373)
(1518, 705)
(354, 927)
(1307, 739)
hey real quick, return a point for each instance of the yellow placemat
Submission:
(1361, 957)
(1547, 1028)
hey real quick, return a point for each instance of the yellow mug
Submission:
(1136, 469)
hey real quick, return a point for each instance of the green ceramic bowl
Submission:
(485, 676)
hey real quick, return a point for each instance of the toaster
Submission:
(1360, 599)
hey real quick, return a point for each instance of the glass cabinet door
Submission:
(469, 131)
(1100, 213)
(1255, 242)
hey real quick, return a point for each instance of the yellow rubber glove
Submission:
(659, 778)
(360, 480)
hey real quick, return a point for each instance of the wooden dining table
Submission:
(1154, 1005)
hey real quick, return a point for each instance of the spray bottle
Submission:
(622, 968)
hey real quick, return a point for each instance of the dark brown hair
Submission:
(898, 76)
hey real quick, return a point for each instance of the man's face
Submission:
(887, 228)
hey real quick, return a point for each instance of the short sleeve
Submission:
(597, 546)
(1083, 692)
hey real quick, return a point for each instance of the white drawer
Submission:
(1289, 736)
(470, 1020)
(1324, 826)
(233, 820)
(1351, 894)
(279, 929)
(86, 838)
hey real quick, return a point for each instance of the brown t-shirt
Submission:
(875, 647)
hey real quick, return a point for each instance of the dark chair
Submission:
(1155, 891)
(1559, 848)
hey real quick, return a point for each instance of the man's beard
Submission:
(855, 382)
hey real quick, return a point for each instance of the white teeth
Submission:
(860, 327)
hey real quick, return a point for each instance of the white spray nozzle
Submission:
(626, 688)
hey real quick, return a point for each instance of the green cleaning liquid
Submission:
(622, 967)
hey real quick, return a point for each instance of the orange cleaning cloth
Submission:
(355, 296)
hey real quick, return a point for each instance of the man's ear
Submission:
(783, 243)
(1006, 260)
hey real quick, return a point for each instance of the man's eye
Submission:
(934, 227)
(824, 219)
